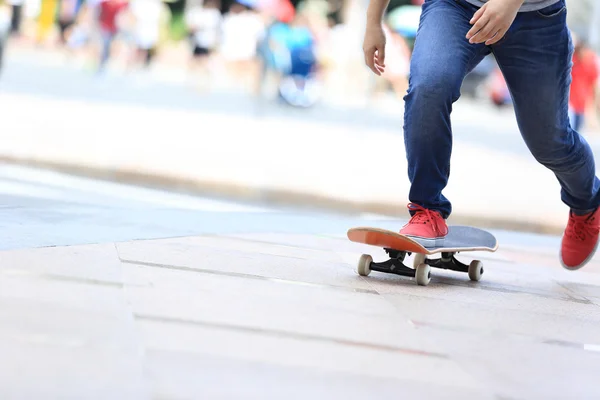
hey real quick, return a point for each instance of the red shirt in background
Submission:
(109, 9)
(584, 77)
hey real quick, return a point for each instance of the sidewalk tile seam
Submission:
(247, 276)
(434, 326)
(504, 288)
(286, 335)
(64, 278)
(479, 306)
(278, 244)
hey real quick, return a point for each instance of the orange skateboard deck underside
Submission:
(458, 239)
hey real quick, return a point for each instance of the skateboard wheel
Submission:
(364, 265)
(423, 274)
(475, 270)
(419, 259)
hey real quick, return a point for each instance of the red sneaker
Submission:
(580, 240)
(426, 227)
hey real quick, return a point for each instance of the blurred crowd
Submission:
(299, 48)
(249, 41)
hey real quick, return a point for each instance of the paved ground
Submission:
(228, 300)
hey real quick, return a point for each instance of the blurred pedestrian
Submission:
(46, 20)
(83, 28)
(108, 11)
(67, 15)
(242, 31)
(5, 28)
(499, 92)
(203, 22)
(299, 86)
(147, 17)
(273, 55)
(584, 80)
(398, 55)
(16, 16)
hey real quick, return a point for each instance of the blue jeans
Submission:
(535, 58)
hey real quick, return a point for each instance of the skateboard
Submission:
(397, 246)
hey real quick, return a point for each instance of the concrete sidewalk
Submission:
(273, 316)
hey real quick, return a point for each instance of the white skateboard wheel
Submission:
(423, 274)
(364, 264)
(475, 270)
(419, 259)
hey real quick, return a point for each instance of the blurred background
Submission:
(232, 96)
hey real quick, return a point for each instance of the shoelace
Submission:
(423, 216)
(580, 227)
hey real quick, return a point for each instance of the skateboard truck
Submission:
(395, 265)
(422, 265)
(448, 261)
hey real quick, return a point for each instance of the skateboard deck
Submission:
(397, 246)
(459, 239)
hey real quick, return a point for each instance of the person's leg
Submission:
(535, 58)
(441, 59)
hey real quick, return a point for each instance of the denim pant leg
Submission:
(441, 59)
(535, 57)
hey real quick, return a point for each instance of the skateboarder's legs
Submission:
(441, 59)
(535, 58)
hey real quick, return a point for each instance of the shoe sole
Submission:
(583, 264)
(428, 242)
